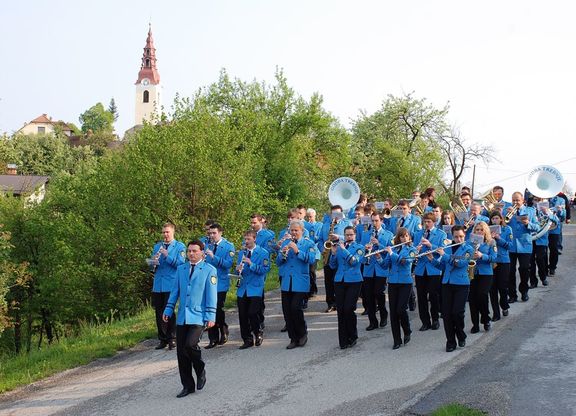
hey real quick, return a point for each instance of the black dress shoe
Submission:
(246, 344)
(552, 272)
(495, 318)
(284, 329)
(435, 325)
(544, 282)
(224, 336)
(424, 327)
(533, 286)
(406, 339)
(450, 348)
(171, 345)
(330, 309)
(383, 323)
(302, 341)
(462, 343)
(512, 300)
(412, 308)
(505, 312)
(161, 346)
(292, 345)
(396, 346)
(211, 345)
(371, 327)
(474, 330)
(352, 343)
(185, 392)
(201, 380)
(487, 326)
(259, 339)
(343, 347)
(525, 297)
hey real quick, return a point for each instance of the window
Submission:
(146, 97)
(41, 130)
(147, 63)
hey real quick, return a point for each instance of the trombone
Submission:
(372, 253)
(436, 249)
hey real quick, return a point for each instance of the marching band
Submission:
(468, 253)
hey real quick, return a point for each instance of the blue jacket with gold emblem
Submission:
(165, 273)
(411, 222)
(455, 264)
(265, 239)
(522, 242)
(489, 255)
(373, 267)
(222, 260)
(400, 264)
(347, 263)
(558, 207)
(197, 294)
(253, 276)
(436, 238)
(503, 243)
(295, 268)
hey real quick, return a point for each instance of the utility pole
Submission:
(473, 179)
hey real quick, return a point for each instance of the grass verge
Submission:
(455, 409)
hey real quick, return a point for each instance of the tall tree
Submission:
(113, 109)
(97, 119)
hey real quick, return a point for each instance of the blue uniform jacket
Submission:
(295, 269)
(197, 294)
(222, 260)
(347, 263)
(314, 230)
(456, 264)
(400, 264)
(489, 255)
(503, 244)
(522, 242)
(436, 238)
(253, 276)
(165, 273)
(412, 223)
(373, 267)
(338, 229)
(479, 218)
(265, 239)
(504, 209)
(558, 207)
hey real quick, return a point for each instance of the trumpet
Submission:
(470, 222)
(511, 213)
(436, 249)
(372, 253)
(387, 212)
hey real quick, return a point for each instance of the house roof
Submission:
(21, 184)
(42, 119)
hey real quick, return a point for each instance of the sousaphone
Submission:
(544, 181)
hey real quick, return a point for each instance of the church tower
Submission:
(148, 87)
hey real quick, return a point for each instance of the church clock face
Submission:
(145, 81)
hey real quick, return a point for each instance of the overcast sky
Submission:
(507, 68)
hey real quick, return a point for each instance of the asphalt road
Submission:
(530, 368)
(321, 379)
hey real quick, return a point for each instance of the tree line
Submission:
(233, 149)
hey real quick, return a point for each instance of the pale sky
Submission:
(507, 68)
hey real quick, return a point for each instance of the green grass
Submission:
(456, 409)
(94, 341)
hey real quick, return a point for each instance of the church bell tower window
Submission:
(146, 97)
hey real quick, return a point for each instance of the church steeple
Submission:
(148, 68)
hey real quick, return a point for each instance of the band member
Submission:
(399, 260)
(314, 230)
(448, 221)
(522, 225)
(539, 257)
(295, 257)
(169, 254)
(333, 231)
(557, 205)
(374, 274)
(196, 290)
(431, 193)
(206, 237)
(407, 220)
(484, 255)
(428, 276)
(455, 287)
(362, 201)
(498, 193)
(422, 207)
(466, 198)
(499, 289)
(437, 211)
(264, 236)
(220, 254)
(346, 259)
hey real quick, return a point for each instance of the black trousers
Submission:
(329, 274)
(478, 298)
(293, 314)
(453, 310)
(189, 354)
(499, 289)
(398, 295)
(523, 261)
(375, 291)
(313, 285)
(220, 326)
(249, 309)
(346, 299)
(166, 330)
(538, 260)
(428, 289)
(553, 245)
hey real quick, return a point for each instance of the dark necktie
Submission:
(347, 245)
(191, 271)
(402, 221)
(166, 246)
(427, 234)
(249, 254)
(215, 247)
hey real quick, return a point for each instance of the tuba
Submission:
(457, 205)
(489, 201)
(544, 181)
(344, 192)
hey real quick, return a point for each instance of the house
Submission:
(45, 125)
(31, 187)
